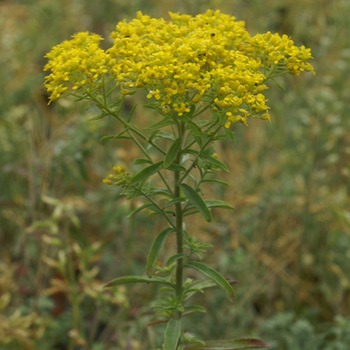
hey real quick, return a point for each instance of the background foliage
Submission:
(63, 233)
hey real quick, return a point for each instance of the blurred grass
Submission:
(287, 243)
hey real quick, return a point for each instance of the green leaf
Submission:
(208, 152)
(194, 308)
(100, 116)
(176, 167)
(155, 249)
(213, 204)
(136, 279)
(230, 135)
(218, 204)
(231, 344)
(118, 136)
(146, 173)
(199, 288)
(131, 112)
(213, 275)
(172, 153)
(195, 130)
(107, 137)
(149, 206)
(161, 124)
(142, 161)
(174, 201)
(172, 334)
(218, 164)
(216, 181)
(165, 135)
(175, 257)
(191, 151)
(197, 201)
(158, 190)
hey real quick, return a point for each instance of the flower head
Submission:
(76, 63)
(206, 59)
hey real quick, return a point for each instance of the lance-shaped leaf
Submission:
(100, 116)
(197, 201)
(231, 344)
(214, 276)
(193, 308)
(164, 135)
(161, 124)
(155, 249)
(142, 161)
(136, 279)
(172, 334)
(172, 153)
(150, 206)
(117, 136)
(146, 173)
(175, 257)
(217, 163)
(213, 204)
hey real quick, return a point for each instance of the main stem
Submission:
(179, 237)
(178, 224)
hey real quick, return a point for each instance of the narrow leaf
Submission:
(174, 201)
(230, 135)
(132, 112)
(208, 152)
(146, 173)
(194, 308)
(231, 344)
(176, 167)
(216, 181)
(197, 201)
(142, 161)
(175, 257)
(165, 135)
(172, 153)
(164, 122)
(100, 116)
(213, 275)
(136, 279)
(172, 334)
(155, 249)
(149, 206)
(217, 163)
(213, 204)
(139, 209)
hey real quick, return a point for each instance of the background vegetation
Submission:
(63, 233)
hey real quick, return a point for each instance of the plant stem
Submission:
(178, 223)
(210, 139)
(144, 151)
(179, 237)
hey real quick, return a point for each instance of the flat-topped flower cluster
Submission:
(207, 59)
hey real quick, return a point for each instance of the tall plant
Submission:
(203, 75)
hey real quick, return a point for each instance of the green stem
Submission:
(178, 224)
(156, 205)
(210, 139)
(144, 151)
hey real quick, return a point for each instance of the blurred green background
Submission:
(63, 233)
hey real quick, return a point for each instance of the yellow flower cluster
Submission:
(280, 52)
(209, 58)
(119, 178)
(76, 63)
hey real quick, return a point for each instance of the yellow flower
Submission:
(209, 58)
(76, 63)
(119, 177)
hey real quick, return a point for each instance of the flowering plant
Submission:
(187, 67)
